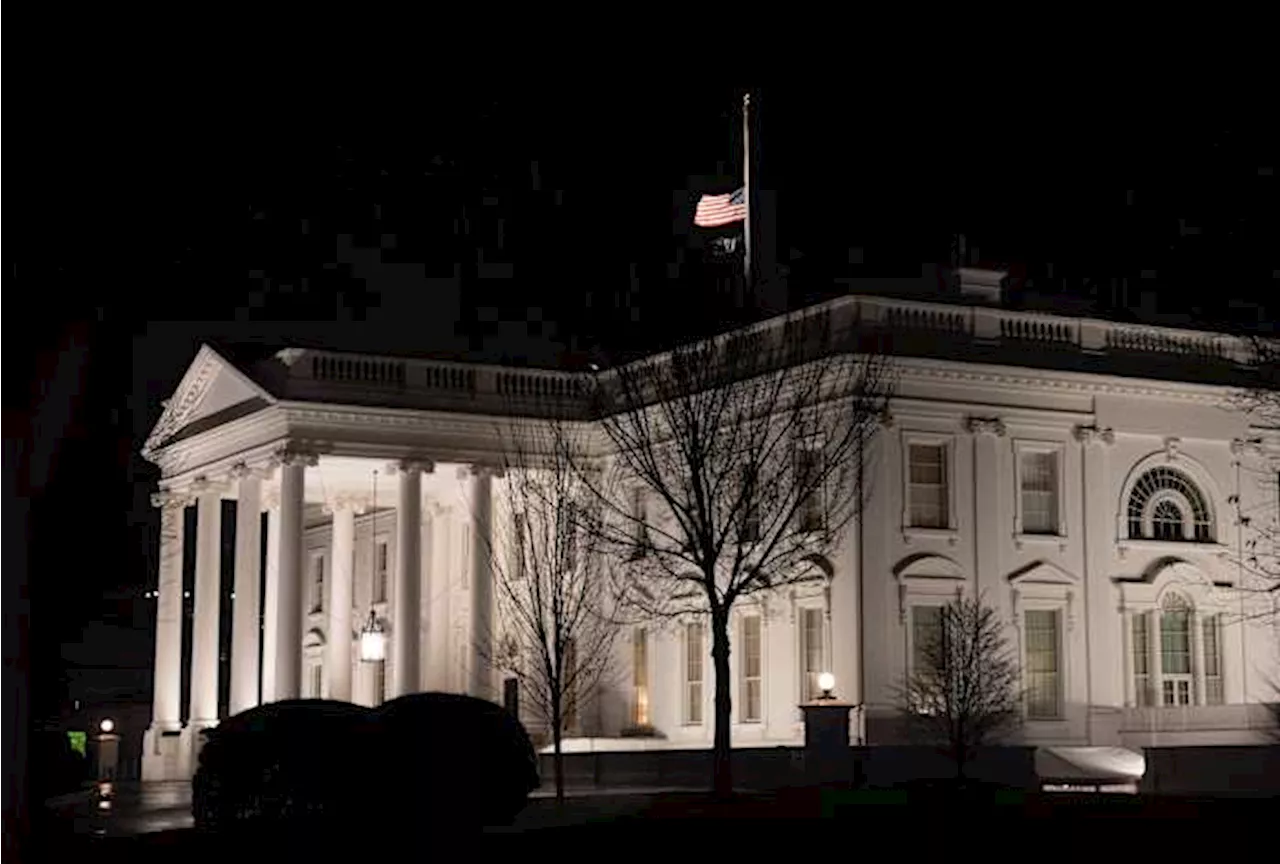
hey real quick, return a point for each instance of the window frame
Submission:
(809, 690)
(380, 578)
(744, 679)
(1059, 652)
(810, 445)
(316, 586)
(641, 715)
(1023, 447)
(688, 704)
(929, 439)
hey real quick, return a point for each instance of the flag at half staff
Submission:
(716, 210)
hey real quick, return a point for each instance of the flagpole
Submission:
(746, 184)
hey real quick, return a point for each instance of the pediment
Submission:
(1042, 573)
(927, 566)
(212, 391)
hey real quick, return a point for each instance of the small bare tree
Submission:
(555, 634)
(962, 690)
(736, 466)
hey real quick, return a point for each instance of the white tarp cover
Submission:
(1099, 764)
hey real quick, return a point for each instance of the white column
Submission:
(341, 578)
(288, 601)
(271, 599)
(987, 435)
(244, 607)
(166, 711)
(481, 583)
(408, 587)
(205, 629)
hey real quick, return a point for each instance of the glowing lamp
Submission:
(827, 683)
(107, 725)
(373, 640)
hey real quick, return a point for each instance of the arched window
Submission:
(1166, 505)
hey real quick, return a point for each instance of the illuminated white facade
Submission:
(1050, 464)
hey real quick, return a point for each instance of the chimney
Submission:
(982, 285)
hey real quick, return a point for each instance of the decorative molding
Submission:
(171, 498)
(192, 389)
(206, 485)
(409, 466)
(358, 502)
(985, 426)
(295, 454)
(1171, 447)
(1252, 446)
(886, 418)
(1093, 434)
(289, 356)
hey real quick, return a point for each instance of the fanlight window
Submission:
(1166, 505)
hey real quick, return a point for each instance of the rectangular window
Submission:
(1042, 664)
(640, 677)
(1039, 493)
(926, 630)
(751, 669)
(1175, 657)
(927, 486)
(693, 666)
(317, 681)
(808, 479)
(381, 565)
(1143, 697)
(379, 682)
(811, 653)
(317, 583)
(1213, 694)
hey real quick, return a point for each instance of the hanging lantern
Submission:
(373, 640)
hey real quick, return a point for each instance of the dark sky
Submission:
(546, 226)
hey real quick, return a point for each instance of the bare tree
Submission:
(555, 633)
(736, 468)
(962, 690)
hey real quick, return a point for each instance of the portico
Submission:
(334, 526)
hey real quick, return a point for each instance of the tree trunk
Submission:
(722, 766)
(558, 757)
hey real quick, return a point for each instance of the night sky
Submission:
(548, 227)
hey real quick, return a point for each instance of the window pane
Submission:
(751, 668)
(1042, 663)
(811, 646)
(693, 673)
(1141, 661)
(640, 673)
(1175, 643)
(926, 628)
(1039, 493)
(1212, 661)
(927, 486)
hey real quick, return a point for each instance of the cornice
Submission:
(193, 387)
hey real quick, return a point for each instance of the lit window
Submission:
(640, 677)
(751, 669)
(812, 652)
(1042, 664)
(693, 668)
(1039, 488)
(1175, 652)
(927, 486)
(1166, 505)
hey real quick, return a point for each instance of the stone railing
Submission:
(447, 385)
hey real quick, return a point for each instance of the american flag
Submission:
(716, 210)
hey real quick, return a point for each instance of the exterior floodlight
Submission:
(107, 725)
(373, 640)
(827, 683)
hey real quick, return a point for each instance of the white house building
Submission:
(1086, 478)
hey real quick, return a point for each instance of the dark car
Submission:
(455, 761)
(296, 764)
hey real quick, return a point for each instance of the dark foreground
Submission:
(816, 818)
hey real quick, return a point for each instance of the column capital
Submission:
(358, 503)
(294, 454)
(246, 471)
(175, 499)
(408, 466)
(491, 471)
(985, 426)
(1094, 434)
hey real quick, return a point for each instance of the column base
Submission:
(164, 754)
(193, 742)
